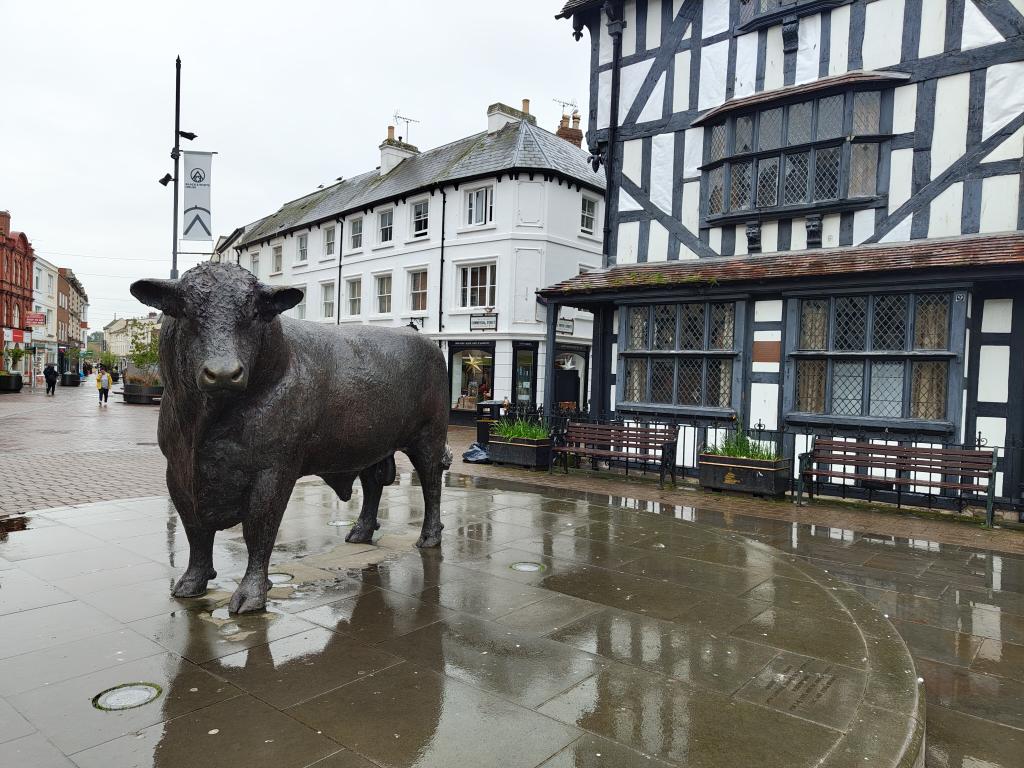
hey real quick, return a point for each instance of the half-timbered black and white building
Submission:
(814, 218)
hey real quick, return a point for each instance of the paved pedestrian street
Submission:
(581, 621)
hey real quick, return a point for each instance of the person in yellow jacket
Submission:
(103, 382)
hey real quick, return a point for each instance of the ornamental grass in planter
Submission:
(142, 388)
(741, 464)
(520, 442)
(10, 381)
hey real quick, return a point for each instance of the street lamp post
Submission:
(175, 155)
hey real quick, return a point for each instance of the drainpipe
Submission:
(339, 244)
(616, 23)
(440, 276)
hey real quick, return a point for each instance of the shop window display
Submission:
(472, 378)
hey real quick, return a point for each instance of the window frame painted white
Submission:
(584, 199)
(324, 300)
(276, 259)
(411, 274)
(378, 279)
(356, 227)
(356, 296)
(302, 248)
(300, 308)
(488, 203)
(254, 264)
(414, 234)
(329, 243)
(465, 288)
(381, 242)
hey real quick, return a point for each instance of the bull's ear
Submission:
(161, 294)
(274, 301)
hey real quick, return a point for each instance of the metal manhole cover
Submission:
(341, 523)
(528, 567)
(126, 696)
(279, 578)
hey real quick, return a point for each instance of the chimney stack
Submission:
(573, 135)
(5, 223)
(391, 133)
(393, 151)
(526, 106)
(499, 115)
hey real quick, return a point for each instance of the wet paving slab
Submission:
(551, 628)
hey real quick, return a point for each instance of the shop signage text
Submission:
(566, 327)
(35, 318)
(17, 336)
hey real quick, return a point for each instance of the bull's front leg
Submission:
(200, 564)
(267, 503)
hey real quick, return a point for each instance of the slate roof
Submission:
(574, 6)
(516, 146)
(974, 252)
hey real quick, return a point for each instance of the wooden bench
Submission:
(900, 467)
(621, 442)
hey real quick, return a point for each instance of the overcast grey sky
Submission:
(290, 94)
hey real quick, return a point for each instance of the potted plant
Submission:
(11, 380)
(70, 378)
(521, 442)
(142, 382)
(741, 464)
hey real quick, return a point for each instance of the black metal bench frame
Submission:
(617, 441)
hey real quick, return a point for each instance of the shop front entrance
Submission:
(471, 367)
(571, 363)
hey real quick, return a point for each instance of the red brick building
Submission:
(16, 268)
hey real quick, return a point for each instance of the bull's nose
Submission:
(227, 376)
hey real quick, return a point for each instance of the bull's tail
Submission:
(446, 458)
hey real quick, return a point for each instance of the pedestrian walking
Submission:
(50, 374)
(103, 382)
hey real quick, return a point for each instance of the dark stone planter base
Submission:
(730, 473)
(70, 380)
(11, 383)
(532, 454)
(139, 394)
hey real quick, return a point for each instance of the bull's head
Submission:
(224, 314)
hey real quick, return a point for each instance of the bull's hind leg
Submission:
(373, 479)
(431, 458)
(200, 551)
(267, 503)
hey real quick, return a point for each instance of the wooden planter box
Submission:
(141, 394)
(757, 476)
(523, 452)
(70, 380)
(11, 382)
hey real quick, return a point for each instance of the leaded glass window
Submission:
(886, 356)
(680, 354)
(793, 156)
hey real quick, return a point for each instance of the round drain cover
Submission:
(126, 696)
(528, 567)
(341, 523)
(279, 578)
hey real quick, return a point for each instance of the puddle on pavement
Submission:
(12, 525)
(528, 567)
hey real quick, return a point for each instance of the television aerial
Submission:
(402, 118)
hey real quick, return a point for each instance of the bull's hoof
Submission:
(362, 534)
(249, 598)
(193, 583)
(429, 540)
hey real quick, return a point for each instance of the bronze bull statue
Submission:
(253, 401)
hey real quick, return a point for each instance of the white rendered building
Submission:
(44, 300)
(454, 241)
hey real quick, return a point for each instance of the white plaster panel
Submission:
(686, 254)
(933, 28)
(993, 374)
(629, 239)
(977, 31)
(627, 203)
(716, 17)
(768, 335)
(773, 62)
(769, 237)
(604, 52)
(740, 240)
(963, 421)
(657, 243)
(764, 367)
(681, 82)
(967, 344)
(997, 316)
(999, 203)
(769, 310)
(798, 235)
(944, 218)
(615, 347)
(839, 43)
(830, 230)
(898, 234)
(693, 152)
(654, 109)
(691, 206)
(901, 177)
(808, 48)
(662, 158)
(715, 239)
(1019, 5)
(631, 77)
(949, 139)
(1004, 96)
(993, 430)
(883, 33)
(1010, 149)
(654, 23)
(764, 404)
(746, 65)
(713, 62)
(604, 98)
(863, 225)
(632, 160)
(904, 108)
(629, 32)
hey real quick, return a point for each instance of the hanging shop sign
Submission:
(197, 224)
(35, 318)
(483, 322)
(17, 336)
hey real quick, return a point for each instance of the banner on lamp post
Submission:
(197, 223)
